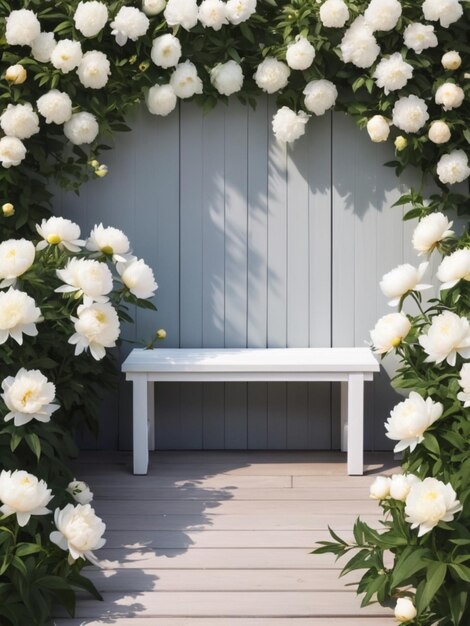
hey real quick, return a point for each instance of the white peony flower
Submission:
(429, 502)
(400, 485)
(129, 23)
(18, 316)
(289, 125)
(110, 241)
(153, 7)
(430, 230)
(58, 231)
(20, 121)
(227, 77)
(67, 55)
(439, 132)
(451, 60)
(271, 75)
(79, 531)
(55, 106)
(358, 45)
(22, 27)
(450, 96)
(410, 113)
(24, 495)
(213, 14)
(453, 167)
(28, 395)
(334, 13)
(389, 332)
(419, 37)
(444, 11)
(300, 54)
(380, 488)
(404, 278)
(410, 419)
(239, 11)
(12, 151)
(320, 95)
(80, 491)
(166, 51)
(90, 17)
(400, 143)
(447, 336)
(82, 128)
(138, 277)
(161, 100)
(94, 70)
(454, 268)
(16, 257)
(392, 73)
(464, 382)
(181, 13)
(405, 610)
(97, 328)
(43, 46)
(185, 81)
(378, 128)
(382, 14)
(16, 74)
(86, 277)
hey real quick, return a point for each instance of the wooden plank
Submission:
(277, 416)
(231, 621)
(236, 227)
(248, 604)
(277, 240)
(257, 416)
(128, 580)
(148, 493)
(212, 242)
(230, 507)
(236, 425)
(191, 228)
(213, 416)
(257, 168)
(215, 558)
(193, 539)
(297, 416)
(206, 521)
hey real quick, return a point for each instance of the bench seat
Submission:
(350, 366)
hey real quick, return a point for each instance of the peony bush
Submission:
(418, 561)
(71, 73)
(62, 302)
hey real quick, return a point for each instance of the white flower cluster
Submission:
(79, 529)
(427, 502)
(90, 280)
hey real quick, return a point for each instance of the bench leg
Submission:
(344, 416)
(356, 424)
(151, 414)
(140, 424)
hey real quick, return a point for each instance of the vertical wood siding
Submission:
(254, 244)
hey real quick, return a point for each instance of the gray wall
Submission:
(253, 244)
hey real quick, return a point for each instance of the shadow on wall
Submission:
(253, 244)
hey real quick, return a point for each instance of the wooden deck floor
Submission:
(223, 539)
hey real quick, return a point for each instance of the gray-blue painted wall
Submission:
(253, 244)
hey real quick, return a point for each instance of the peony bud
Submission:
(380, 488)
(405, 610)
(400, 143)
(16, 74)
(378, 128)
(101, 171)
(161, 334)
(439, 132)
(8, 209)
(451, 60)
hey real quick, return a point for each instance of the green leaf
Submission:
(462, 571)
(435, 575)
(34, 443)
(408, 564)
(24, 549)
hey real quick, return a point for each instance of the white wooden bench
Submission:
(350, 366)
